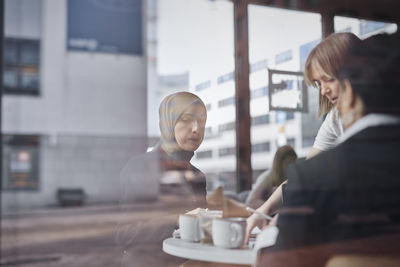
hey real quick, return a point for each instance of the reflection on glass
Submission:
(10, 78)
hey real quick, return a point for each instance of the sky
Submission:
(197, 35)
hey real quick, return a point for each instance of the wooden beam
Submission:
(242, 97)
(328, 26)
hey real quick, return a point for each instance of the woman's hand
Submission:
(256, 220)
(253, 221)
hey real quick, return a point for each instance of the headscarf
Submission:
(171, 108)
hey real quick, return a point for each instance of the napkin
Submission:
(230, 208)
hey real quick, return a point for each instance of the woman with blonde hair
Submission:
(322, 70)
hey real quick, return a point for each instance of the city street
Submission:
(86, 236)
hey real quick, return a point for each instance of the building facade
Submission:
(74, 98)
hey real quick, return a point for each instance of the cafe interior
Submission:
(150, 231)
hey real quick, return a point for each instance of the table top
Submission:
(208, 252)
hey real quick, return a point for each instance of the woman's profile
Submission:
(182, 122)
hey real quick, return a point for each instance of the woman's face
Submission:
(328, 87)
(189, 129)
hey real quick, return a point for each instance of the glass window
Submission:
(29, 53)
(10, 77)
(260, 92)
(283, 57)
(225, 78)
(21, 66)
(10, 51)
(259, 120)
(203, 86)
(259, 65)
(226, 151)
(226, 102)
(289, 115)
(204, 154)
(21, 162)
(260, 147)
(363, 28)
(291, 142)
(226, 127)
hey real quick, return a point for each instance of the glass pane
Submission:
(29, 78)
(363, 28)
(10, 78)
(10, 52)
(277, 38)
(29, 52)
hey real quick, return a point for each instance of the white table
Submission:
(207, 252)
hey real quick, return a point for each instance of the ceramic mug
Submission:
(189, 227)
(205, 222)
(229, 232)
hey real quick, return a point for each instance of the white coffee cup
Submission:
(189, 227)
(205, 223)
(229, 232)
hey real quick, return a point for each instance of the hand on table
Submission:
(256, 220)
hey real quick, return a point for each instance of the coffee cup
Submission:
(229, 232)
(189, 227)
(205, 221)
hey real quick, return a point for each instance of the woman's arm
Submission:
(313, 152)
(269, 206)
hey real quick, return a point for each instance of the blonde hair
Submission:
(327, 58)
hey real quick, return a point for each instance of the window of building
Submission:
(260, 92)
(363, 28)
(283, 57)
(204, 154)
(260, 147)
(289, 116)
(21, 66)
(370, 26)
(226, 127)
(226, 151)
(208, 107)
(259, 120)
(259, 65)
(291, 142)
(21, 162)
(226, 102)
(203, 86)
(225, 78)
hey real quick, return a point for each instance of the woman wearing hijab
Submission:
(183, 117)
(182, 122)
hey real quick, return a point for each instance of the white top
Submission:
(368, 121)
(329, 131)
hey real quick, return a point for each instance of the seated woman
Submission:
(357, 181)
(321, 70)
(268, 180)
(183, 117)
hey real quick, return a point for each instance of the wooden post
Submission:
(242, 97)
(327, 21)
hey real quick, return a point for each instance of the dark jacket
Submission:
(359, 179)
